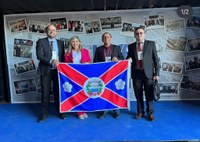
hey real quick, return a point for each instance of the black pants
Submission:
(143, 84)
(46, 81)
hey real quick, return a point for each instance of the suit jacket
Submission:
(150, 59)
(85, 56)
(44, 54)
(100, 57)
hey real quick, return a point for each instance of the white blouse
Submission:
(76, 57)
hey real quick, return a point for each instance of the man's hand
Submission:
(55, 62)
(114, 59)
(130, 60)
(156, 78)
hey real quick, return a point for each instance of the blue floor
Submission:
(175, 120)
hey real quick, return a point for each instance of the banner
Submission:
(93, 87)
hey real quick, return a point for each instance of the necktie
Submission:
(139, 61)
(51, 45)
(139, 46)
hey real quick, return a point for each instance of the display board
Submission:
(177, 42)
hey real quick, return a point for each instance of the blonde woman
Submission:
(77, 54)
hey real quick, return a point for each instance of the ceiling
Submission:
(36, 6)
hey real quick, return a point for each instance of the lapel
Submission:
(48, 44)
(102, 52)
(145, 47)
(59, 46)
(112, 51)
(135, 50)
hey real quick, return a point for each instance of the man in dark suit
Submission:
(50, 52)
(108, 52)
(144, 69)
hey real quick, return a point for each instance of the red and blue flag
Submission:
(93, 87)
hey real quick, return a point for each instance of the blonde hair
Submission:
(70, 45)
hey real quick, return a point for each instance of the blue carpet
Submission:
(175, 120)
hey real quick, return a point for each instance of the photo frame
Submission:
(111, 22)
(154, 21)
(192, 62)
(18, 25)
(175, 25)
(172, 67)
(193, 22)
(37, 26)
(24, 86)
(92, 27)
(190, 83)
(66, 42)
(75, 26)
(193, 44)
(169, 88)
(24, 67)
(129, 28)
(22, 48)
(59, 23)
(176, 43)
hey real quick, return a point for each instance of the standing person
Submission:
(50, 52)
(77, 54)
(144, 69)
(104, 53)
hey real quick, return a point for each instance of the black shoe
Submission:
(62, 116)
(42, 117)
(151, 117)
(116, 114)
(101, 115)
(139, 115)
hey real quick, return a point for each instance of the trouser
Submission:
(114, 111)
(142, 83)
(46, 81)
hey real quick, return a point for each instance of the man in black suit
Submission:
(144, 69)
(108, 52)
(50, 52)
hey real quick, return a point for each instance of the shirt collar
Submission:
(140, 42)
(51, 40)
(109, 47)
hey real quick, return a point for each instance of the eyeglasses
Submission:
(140, 33)
(49, 31)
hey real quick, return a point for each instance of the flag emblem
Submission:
(94, 87)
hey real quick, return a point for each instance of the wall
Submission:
(175, 38)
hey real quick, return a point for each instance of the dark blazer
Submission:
(150, 59)
(100, 57)
(44, 54)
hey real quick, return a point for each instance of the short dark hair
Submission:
(140, 27)
(106, 33)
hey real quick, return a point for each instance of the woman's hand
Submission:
(86, 62)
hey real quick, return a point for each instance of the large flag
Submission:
(93, 87)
